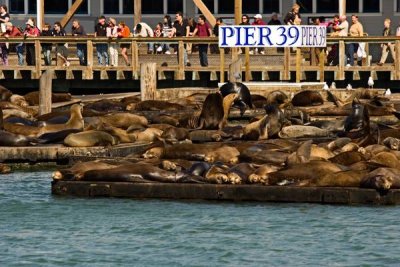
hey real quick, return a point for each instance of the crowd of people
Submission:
(108, 52)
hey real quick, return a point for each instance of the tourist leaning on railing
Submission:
(100, 30)
(81, 48)
(386, 47)
(167, 29)
(12, 31)
(124, 32)
(181, 28)
(30, 31)
(61, 49)
(4, 17)
(112, 32)
(142, 29)
(203, 30)
(356, 30)
(46, 47)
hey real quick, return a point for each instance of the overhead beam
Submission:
(137, 7)
(206, 12)
(64, 21)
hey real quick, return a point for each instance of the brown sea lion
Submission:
(243, 99)
(338, 179)
(206, 135)
(136, 172)
(75, 122)
(154, 105)
(299, 172)
(11, 139)
(226, 154)
(348, 158)
(19, 100)
(216, 174)
(357, 124)
(33, 97)
(147, 135)
(106, 105)
(123, 120)
(77, 171)
(239, 174)
(301, 131)
(165, 119)
(90, 138)
(392, 143)
(130, 99)
(26, 130)
(258, 101)
(386, 159)
(5, 94)
(261, 174)
(307, 98)
(277, 98)
(182, 151)
(174, 134)
(122, 135)
(382, 179)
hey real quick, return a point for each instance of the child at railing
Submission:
(124, 32)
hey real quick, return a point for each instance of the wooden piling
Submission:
(46, 83)
(235, 71)
(397, 60)
(148, 81)
(181, 61)
(222, 65)
(286, 65)
(298, 65)
(89, 68)
(341, 60)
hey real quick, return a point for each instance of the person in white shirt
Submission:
(142, 29)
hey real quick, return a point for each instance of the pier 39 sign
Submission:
(272, 36)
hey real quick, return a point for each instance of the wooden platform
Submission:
(322, 195)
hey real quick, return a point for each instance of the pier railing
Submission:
(286, 62)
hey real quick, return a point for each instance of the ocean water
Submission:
(38, 229)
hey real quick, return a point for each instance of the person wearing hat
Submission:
(100, 30)
(274, 20)
(12, 31)
(258, 22)
(30, 31)
(112, 32)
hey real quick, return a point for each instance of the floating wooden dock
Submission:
(285, 194)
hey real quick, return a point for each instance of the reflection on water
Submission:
(38, 229)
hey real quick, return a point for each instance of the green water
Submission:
(38, 229)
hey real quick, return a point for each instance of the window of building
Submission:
(328, 6)
(226, 7)
(50, 7)
(83, 8)
(127, 7)
(270, 6)
(16, 6)
(209, 4)
(110, 7)
(148, 7)
(306, 6)
(174, 6)
(251, 6)
(352, 7)
(371, 6)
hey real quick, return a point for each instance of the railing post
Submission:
(397, 60)
(181, 61)
(322, 66)
(38, 59)
(135, 58)
(341, 60)
(89, 67)
(286, 64)
(247, 64)
(148, 81)
(45, 89)
(222, 65)
(298, 65)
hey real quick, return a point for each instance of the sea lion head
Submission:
(57, 175)
(234, 178)
(382, 183)
(155, 152)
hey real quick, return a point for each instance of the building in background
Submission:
(371, 12)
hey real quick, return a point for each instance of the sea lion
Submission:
(258, 101)
(5, 94)
(174, 134)
(19, 100)
(33, 97)
(206, 135)
(75, 122)
(269, 126)
(261, 174)
(135, 172)
(256, 154)
(299, 172)
(122, 135)
(226, 154)
(386, 159)
(77, 171)
(357, 125)
(332, 126)
(22, 121)
(148, 135)
(154, 105)
(239, 174)
(243, 101)
(217, 174)
(182, 151)
(301, 131)
(338, 143)
(121, 120)
(382, 179)
(55, 137)
(199, 168)
(90, 138)
(338, 179)
(392, 143)
(106, 105)
(4, 169)
(307, 98)
(165, 119)
(277, 98)
(348, 158)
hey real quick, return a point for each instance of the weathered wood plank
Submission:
(148, 81)
(45, 90)
(205, 11)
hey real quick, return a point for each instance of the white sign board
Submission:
(272, 36)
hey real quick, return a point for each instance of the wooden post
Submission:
(238, 11)
(342, 7)
(322, 66)
(397, 60)
(38, 59)
(286, 64)
(313, 57)
(71, 12)
(137, 5)
(341, 75)
(89, 68)
(298, 65)
(222, 65)
(235, 71)
(181, 61)
(45, 92)
(247, 64)
(206, 12)
(148, 81)
(135, 58)
(39, 13)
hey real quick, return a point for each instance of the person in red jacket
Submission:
(124, 32)
(12, 31)
(203, 30)
(258, 22)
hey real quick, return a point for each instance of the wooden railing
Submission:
(291, 62)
